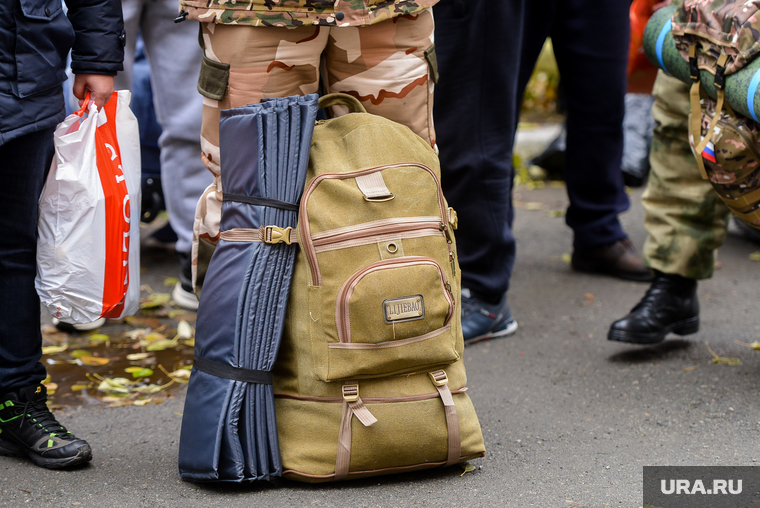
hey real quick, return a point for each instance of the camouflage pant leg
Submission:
(685, 218)
(388, 66)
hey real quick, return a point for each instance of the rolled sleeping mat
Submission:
(742, 88)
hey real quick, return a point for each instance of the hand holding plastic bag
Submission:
(88, 247)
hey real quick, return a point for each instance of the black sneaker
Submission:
(28, 428)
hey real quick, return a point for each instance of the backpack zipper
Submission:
(304, 230)
(342, 310)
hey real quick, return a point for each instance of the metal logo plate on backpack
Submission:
(406, 308)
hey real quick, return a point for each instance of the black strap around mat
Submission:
(226, 371)
(250, 200)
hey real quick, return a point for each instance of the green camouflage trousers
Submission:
(685, 218)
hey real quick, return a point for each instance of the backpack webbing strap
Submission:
(373, 187)
(226, 371)
(250, 200)
(266, 234)
(751, 218)
(696, 108)
(440, 380)
(352, 406)
(696, 126)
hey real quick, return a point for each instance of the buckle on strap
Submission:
(439, 377)
(453, 218)
(276, 234)
(720, 72)
(350, 393)
(693, 65)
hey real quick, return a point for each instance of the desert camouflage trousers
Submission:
(389, 66)
(685, 218)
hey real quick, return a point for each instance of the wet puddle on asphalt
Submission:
(138, 360)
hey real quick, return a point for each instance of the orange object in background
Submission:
(641, 72)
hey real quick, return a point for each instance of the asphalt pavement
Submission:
(569, 418)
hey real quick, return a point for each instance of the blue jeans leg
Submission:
(24, 163)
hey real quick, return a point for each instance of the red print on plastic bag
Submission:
(118, 220)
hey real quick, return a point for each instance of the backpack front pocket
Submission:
(392, 317)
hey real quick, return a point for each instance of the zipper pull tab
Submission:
(182, 16)
(443, 227)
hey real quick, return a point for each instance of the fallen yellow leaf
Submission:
(467, 469)
(138, 372)
(723, 360)
(155, 300)
(161, 345)
(50, 350)
(154, 337)
(93, 361)
(184, 330)
(753, 345)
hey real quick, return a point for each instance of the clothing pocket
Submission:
(393, 317)
(432, 63)
(213, 79)
(43, 39)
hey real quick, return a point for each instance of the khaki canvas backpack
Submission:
(722, 37)
(369, 379)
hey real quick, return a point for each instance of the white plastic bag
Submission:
(88, 247)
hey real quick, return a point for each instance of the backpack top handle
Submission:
(333, 99)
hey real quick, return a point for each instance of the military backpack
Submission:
(722, 37)
(369, 379)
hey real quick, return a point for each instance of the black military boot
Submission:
(28, 428)
(669, 305)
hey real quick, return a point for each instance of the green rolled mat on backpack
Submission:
(742, 90)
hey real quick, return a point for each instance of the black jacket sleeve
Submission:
(100, 37)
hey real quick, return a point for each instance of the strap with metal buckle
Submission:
(439, 377)
(275, 234)
(350, 393)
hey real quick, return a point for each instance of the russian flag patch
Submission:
(709, 152)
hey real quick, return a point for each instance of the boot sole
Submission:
(506, 332)
(684, 327)
(592, 268)
(84, 454)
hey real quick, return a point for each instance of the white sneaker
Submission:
(184, 298)
(85, 327)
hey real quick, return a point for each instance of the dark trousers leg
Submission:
(590, 42)
(478, 47)
(24, 163)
